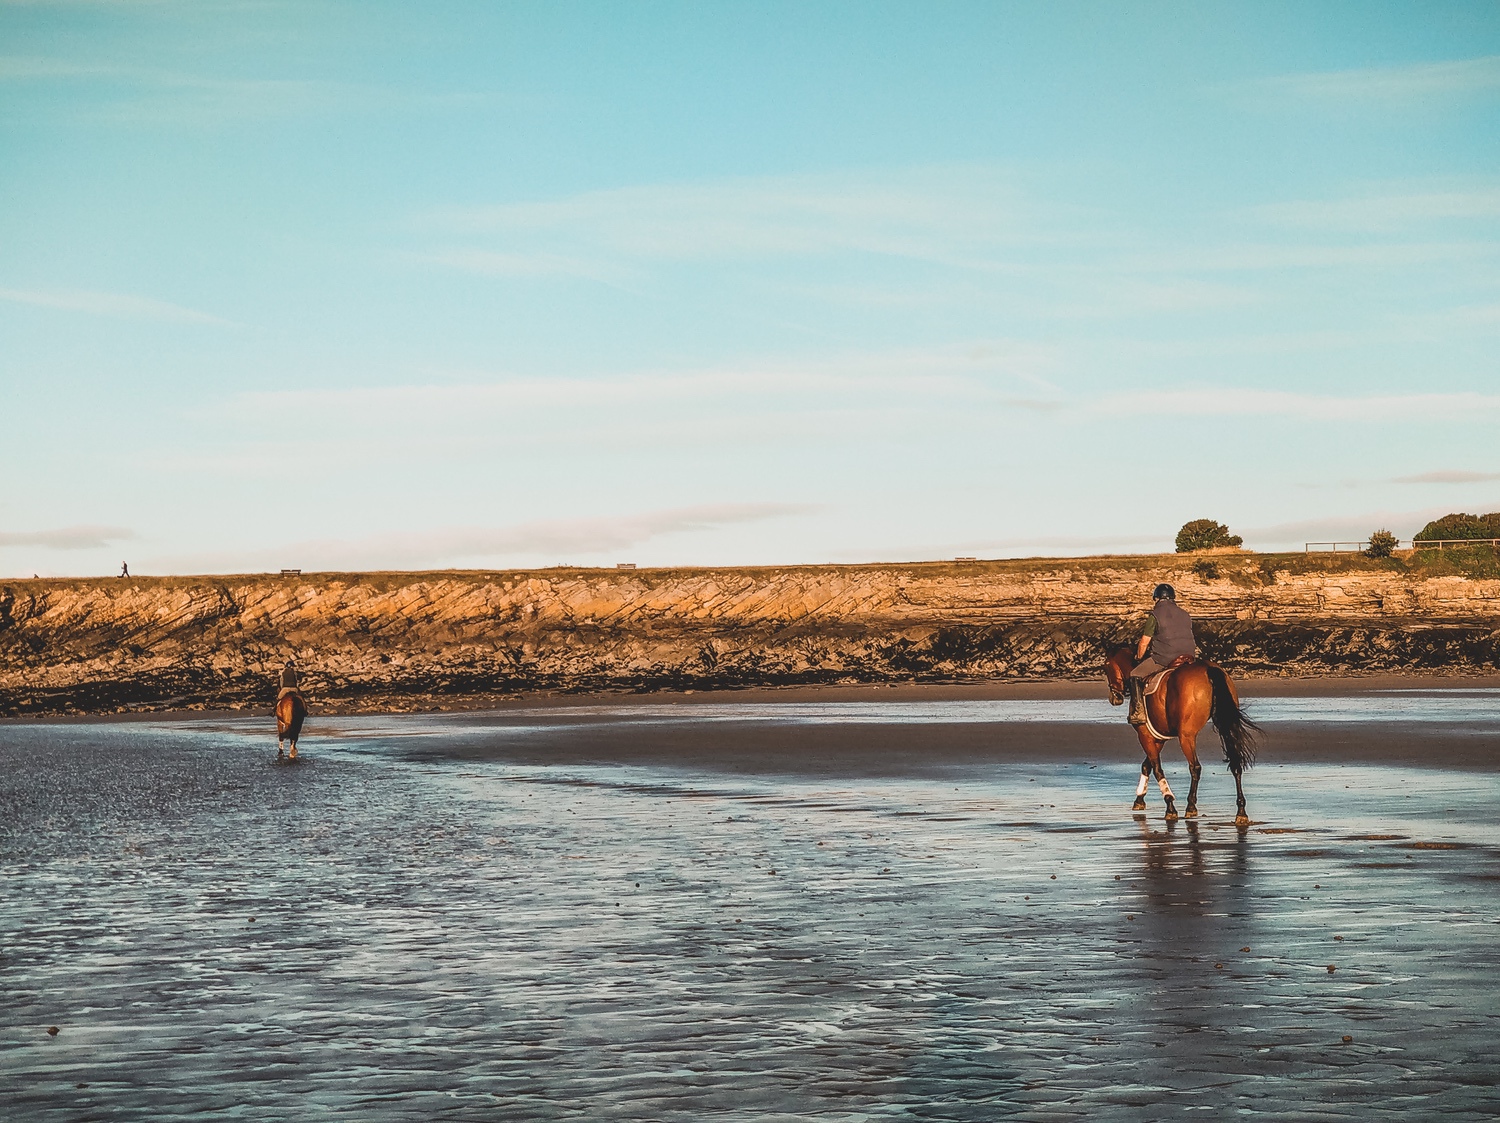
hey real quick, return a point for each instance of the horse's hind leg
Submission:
(1240, 818)
(1189, 743)
(293, 754)
(1140, 789)
(1166, 790)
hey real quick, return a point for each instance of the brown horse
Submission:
(1193, 695)
(290, 712)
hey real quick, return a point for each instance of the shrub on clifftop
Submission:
(1382, 544)
(1460, 526)
(1205, 534)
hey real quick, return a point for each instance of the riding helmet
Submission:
(1164, 591)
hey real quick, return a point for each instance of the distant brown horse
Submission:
(1193, 695)
(291, 710)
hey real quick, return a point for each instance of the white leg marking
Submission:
(1166, 788)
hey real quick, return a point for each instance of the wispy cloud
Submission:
(750, 410)
(959, 387)
(1448, 477)
(553, 541)
(981, 234)
(1411, 82)
(119, 305)
(1054, 542)
(67, 537)
(1384, 212)
(1007, 373)
(593, 536)
(489, 263)
(1474, 314)
(1300, 254)
(937, 214)
(1229, 401)
(146, 94)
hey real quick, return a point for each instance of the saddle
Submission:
(285, 690)
(1154, 682)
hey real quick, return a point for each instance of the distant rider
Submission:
(1168, 635)
(288, 679)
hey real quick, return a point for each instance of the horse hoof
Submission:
(1171, 815)
(1138, 805)
(1242, 820)
(1190, 813)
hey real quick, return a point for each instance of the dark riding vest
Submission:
(288, 677)
(1174, 632)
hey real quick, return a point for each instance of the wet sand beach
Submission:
(928, 905)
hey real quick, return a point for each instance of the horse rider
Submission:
(288, 679)
(1168, 636)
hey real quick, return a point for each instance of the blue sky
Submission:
(404, 286)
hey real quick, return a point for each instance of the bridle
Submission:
(1116, 693)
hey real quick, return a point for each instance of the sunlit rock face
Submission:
(392, 640)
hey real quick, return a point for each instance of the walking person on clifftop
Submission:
(1166, 637)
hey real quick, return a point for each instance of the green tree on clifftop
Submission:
(1460, 526)
(1205, 534)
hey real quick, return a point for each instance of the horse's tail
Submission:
(1236, 731)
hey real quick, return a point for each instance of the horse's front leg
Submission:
(1189, 743)
(1152, 767)
(1140, 789)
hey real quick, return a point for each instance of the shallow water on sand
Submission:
(444, 930)
(1478, 704)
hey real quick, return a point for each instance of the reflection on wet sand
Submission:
(447, 925)
(1194, 912)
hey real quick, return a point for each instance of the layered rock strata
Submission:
(390, 640)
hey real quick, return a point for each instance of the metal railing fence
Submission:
(1412, 544)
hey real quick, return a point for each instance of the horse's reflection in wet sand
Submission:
(1194, 922)
(1174, 853)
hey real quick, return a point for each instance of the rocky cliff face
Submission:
(395, 640)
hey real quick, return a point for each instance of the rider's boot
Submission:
(1137, 702)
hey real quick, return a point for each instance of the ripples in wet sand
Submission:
(406, 926)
